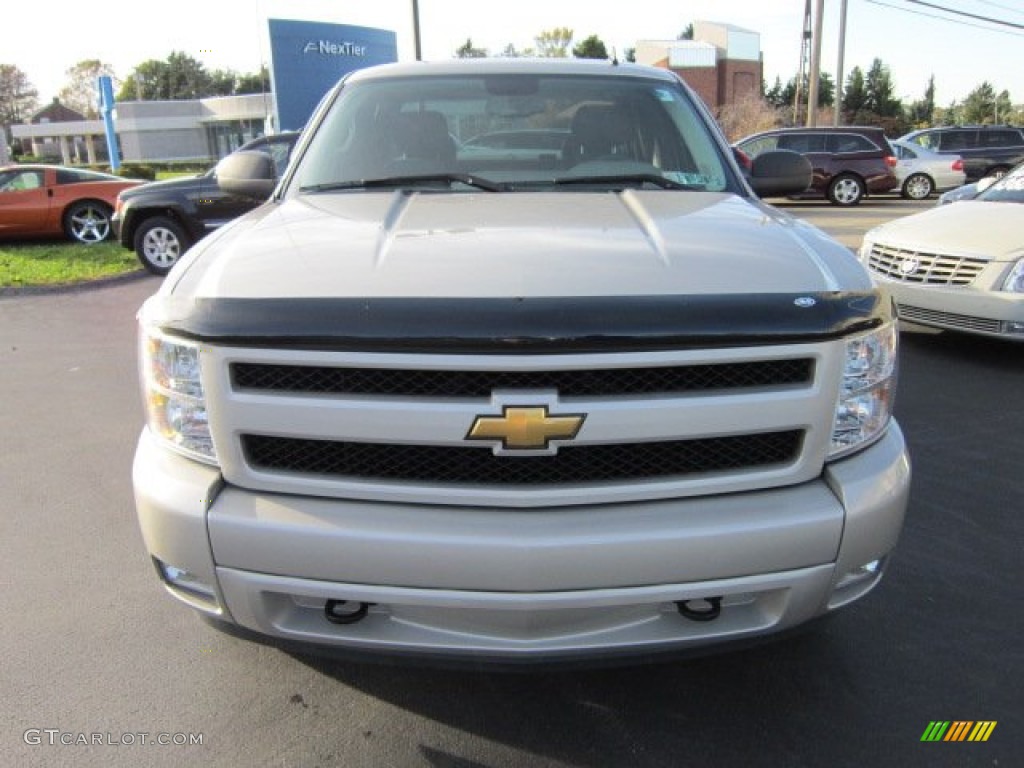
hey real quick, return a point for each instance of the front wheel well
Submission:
(84, 201)
(139, 218)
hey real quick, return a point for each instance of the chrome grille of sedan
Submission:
(910, 266)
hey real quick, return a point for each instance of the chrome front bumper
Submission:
(529, 584)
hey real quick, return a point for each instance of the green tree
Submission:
(922, 112)
(631, 55)
(18, 98)
(554, 43)
(687, 33)
(254, 82)
(855, 95)
(879, 86)
(178, 77)
(787, 96)
(222, 83)
(826, 90)
(81, 92)
(1005, 111)
(467, 51)
(774, 94)
(983, 106)
(591, 48)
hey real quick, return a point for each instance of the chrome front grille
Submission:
(949, 319)
(910, 266)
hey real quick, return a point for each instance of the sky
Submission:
(231, 34)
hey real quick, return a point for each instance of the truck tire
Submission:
(159, 243)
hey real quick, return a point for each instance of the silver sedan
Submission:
(922, 172)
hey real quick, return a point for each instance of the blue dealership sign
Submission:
(309, 57)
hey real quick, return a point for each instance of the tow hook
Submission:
(700, 609)
(345, 611)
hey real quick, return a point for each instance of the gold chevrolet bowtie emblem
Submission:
(526, 428)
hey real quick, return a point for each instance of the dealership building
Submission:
(149, 131)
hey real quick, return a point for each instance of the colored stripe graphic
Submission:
(982, 730)
(935, 731)
(958, 730)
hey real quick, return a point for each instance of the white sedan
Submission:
(958, 266)
(922, 172)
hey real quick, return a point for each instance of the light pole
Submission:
(839, 65)
(416, 29)
(812, 86)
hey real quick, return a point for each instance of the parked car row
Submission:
(158, 220)
(851, 162)
(987, 150)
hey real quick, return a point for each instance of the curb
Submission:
(13, 291)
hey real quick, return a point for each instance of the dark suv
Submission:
(987, 150)
(161, 220)
(849, 162)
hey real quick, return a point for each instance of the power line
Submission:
(989, 19)
(1000, 6)
(944, 18)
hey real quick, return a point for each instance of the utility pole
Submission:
(805, 52)
(815, 75)
(416, 29)
(836, 111)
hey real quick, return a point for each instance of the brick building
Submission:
(722, 63)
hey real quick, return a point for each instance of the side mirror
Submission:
(780, 172)
(247, 174)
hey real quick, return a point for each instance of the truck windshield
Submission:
(513, 132)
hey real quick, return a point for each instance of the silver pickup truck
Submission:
(514, 365)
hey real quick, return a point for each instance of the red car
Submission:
(50, 200)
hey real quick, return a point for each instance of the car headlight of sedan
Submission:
(172, 390)
(1014, 282)
(867, 390)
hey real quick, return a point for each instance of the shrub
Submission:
(137, 171)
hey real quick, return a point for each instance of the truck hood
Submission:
(505, 245)
(180, 185)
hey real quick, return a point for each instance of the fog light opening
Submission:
(700, 609)
(186, 581)
(865, 573)
(345, 611)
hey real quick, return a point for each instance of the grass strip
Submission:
(61, 262)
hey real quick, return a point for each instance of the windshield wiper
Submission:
(629, 178)
(404, 181)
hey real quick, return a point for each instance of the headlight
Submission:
(1014, 282)
(868, 386)
(172, 390)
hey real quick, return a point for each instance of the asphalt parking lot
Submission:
(93, 648)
